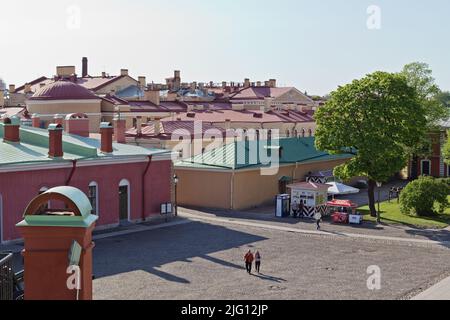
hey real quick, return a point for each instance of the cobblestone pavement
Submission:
(367, 228)
(203, 260)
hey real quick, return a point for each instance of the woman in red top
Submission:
(248, 258)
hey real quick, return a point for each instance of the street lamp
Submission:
(175, 181)
(379, 185)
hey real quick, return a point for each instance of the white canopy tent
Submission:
(340, 189)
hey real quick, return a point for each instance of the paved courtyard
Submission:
(202, 259)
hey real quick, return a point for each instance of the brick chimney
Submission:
(139, 125)
(142, 81)
(2, 98)
(84, 72)
(58, 119)
(27, 88)
(119, 130)
(157, 126)
(273, 83)
(36, 120)
(246, 83)
(12, 88)
(11, 127)
(77, 123)
(55, 144)
(123, 72)
(106, 132)
(153, 96)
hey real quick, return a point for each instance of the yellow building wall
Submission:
(203, 188)
(210, 189)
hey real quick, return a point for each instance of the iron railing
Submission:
(6, 277)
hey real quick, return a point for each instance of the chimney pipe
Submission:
(58, 119)
(55, 144)
(36, 121)
(106, 132)
(139, 125)
(142, 81)
(27, 88)
(85, 67)
(119, 129)
(11, 127)
(157, 126)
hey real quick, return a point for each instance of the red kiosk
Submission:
(344, 211)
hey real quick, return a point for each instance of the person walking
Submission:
(248, 258)
(300, 209)
(294, 209)
(318, 217)
(257, 261)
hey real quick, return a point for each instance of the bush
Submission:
(421, 196)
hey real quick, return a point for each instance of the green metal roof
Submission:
(232, 156)
(34, 142)
(75, 195)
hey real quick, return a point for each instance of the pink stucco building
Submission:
(123, 182)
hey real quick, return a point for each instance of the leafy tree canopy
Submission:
(379, 116)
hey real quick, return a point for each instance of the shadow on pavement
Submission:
(268, 278)
(149, 251)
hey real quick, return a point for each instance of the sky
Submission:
(314, 45)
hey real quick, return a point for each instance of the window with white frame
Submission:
(93, 197)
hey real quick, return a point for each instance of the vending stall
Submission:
(344, 211)
(308, 198)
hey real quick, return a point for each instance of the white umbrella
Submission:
(341, 189)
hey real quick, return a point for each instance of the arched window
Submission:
(124, 200)
(269, 135)
(296, 133)
(310, 133)
(93, 197)
(303, 133)
(288, 133)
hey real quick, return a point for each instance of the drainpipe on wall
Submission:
(74, 167)
(295, 171)
(232, 189)
(143, 186)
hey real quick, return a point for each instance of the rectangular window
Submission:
(426, 167)
(93, 198)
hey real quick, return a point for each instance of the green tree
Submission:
(446, 151)
(420, 76)
(420, 196)
(377, 118)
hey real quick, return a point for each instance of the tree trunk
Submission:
(371, 193)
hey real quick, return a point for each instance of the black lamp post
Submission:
(175, 181)
(379, 185)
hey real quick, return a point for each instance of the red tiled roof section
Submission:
(96, 83)
(63, 90)
(244, 116)
(170, 127)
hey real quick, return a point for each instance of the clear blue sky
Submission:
(313, 45)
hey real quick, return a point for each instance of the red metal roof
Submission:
(63, 90)
(170, 127)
